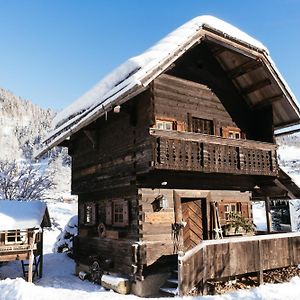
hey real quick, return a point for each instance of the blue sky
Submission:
(52, 51)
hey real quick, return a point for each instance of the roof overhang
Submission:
(247, 64)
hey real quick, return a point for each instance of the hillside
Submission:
(23, 125)
(289, 155)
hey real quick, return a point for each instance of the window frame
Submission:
(207, 125)
(17, 237)
(164, 122)
(88, 214)
(117, 213)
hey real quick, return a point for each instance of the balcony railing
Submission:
(187, 151)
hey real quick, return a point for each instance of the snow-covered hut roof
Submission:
(134, 76)
(23, 215)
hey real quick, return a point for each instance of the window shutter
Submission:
(108, 215)
(94, 214)
(225, 132)
(81, 214)
(221, 207)
(125, 213)
(245, 210)
(180, 126)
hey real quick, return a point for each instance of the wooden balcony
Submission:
(187, 151)
(236, 256)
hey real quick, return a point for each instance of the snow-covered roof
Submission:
(21, 214)
(133, 76)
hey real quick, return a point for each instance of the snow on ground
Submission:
(289, 158)
(59, 281)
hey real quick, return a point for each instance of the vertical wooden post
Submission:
(180, 275)
(260, 273)
(41, 254)
(268, 215)
(204, 279)
(31, 257)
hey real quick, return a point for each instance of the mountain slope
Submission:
(23, 125)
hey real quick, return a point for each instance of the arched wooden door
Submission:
(193, 214)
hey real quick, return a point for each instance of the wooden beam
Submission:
(65, 143)
(218, 50)
(266, 102)
(244, 68)
(256, 86)
(92, 136)
(282, 186)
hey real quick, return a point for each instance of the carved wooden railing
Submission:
(188, 151)
(236, 256)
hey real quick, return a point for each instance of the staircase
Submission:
(170, 287)
(35, 267)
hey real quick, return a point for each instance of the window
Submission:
(15, 237)
(164, 125)
(234, 134)
(231, 132)
(202, 126)
(87, 213)
(117, 213)
(231, 208)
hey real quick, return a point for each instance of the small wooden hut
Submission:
(21, 234)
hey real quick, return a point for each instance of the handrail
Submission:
(192, 136)
(203, 244)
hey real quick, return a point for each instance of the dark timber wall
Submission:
(106, 157)
(181, 99)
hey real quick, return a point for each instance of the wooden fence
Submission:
(235, 256)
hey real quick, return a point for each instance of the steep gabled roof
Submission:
(245, 60)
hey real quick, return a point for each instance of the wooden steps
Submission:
(170, 287)
(35, 268)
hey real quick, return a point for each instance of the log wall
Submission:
(155, 227)
(181, 99)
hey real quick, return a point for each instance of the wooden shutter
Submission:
(180, 126)
(245, 210)
(221, 207)
(125, 213)
(81, 214)
(225, 132)
(94, 214)
(108, 215)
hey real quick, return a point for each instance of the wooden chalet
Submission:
(21, 234)
(166, 147)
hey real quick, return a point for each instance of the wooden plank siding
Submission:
(222, 258)
(177, 98)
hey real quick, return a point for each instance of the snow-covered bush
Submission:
(23, 181)
(64, 242)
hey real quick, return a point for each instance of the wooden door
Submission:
(192, 214)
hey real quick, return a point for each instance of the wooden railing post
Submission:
(260, 273)
(268, 215)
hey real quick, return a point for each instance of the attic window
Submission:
(165, 125)
(199, 125)
(231, 132)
